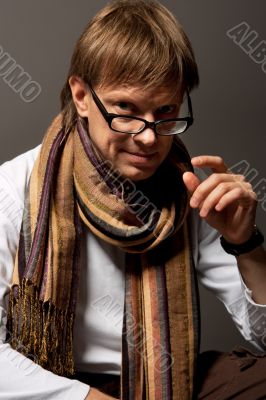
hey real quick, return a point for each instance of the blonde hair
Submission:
(134, 42)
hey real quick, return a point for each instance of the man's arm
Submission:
(252, 267)
(20, 378)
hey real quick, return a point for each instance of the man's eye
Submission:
(166, 109)
(124, 106)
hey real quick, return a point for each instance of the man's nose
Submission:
(148, 137)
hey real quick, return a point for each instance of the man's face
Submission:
(135, 156)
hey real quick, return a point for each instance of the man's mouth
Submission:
(140, 159)
(144, 155)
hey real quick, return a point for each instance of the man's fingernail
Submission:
(197, 160)
(193, 202)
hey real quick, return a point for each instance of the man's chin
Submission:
(136, 174)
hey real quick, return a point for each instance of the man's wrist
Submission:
(252, 243)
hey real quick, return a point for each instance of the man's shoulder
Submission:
(25, 158)
(15, 174)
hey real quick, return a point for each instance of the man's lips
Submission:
(141, 159)
(146, 155)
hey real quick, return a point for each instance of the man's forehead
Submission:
(161, 93)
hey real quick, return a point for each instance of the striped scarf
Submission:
(71, 186)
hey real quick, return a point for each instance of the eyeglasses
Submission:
(134, 125)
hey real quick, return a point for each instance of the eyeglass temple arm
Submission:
(99, 103)
(190, 105)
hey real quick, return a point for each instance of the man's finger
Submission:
(216, 163)
(191, 181)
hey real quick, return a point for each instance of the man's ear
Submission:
(79, 94)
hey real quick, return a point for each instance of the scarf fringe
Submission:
(40, 331)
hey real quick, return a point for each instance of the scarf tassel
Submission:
(40, 331)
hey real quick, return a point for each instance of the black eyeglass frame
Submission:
(110, 116)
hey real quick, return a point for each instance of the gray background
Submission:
(229, 106)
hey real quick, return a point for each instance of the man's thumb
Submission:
(191, 181)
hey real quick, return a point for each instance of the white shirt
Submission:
(99, 314)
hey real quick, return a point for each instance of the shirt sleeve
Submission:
(20, 378)
(219, 273)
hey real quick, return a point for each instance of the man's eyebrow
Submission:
(123, 97)
(168, 105)
(137, 102)
(117, 95)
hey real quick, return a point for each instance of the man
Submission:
(103, 287)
